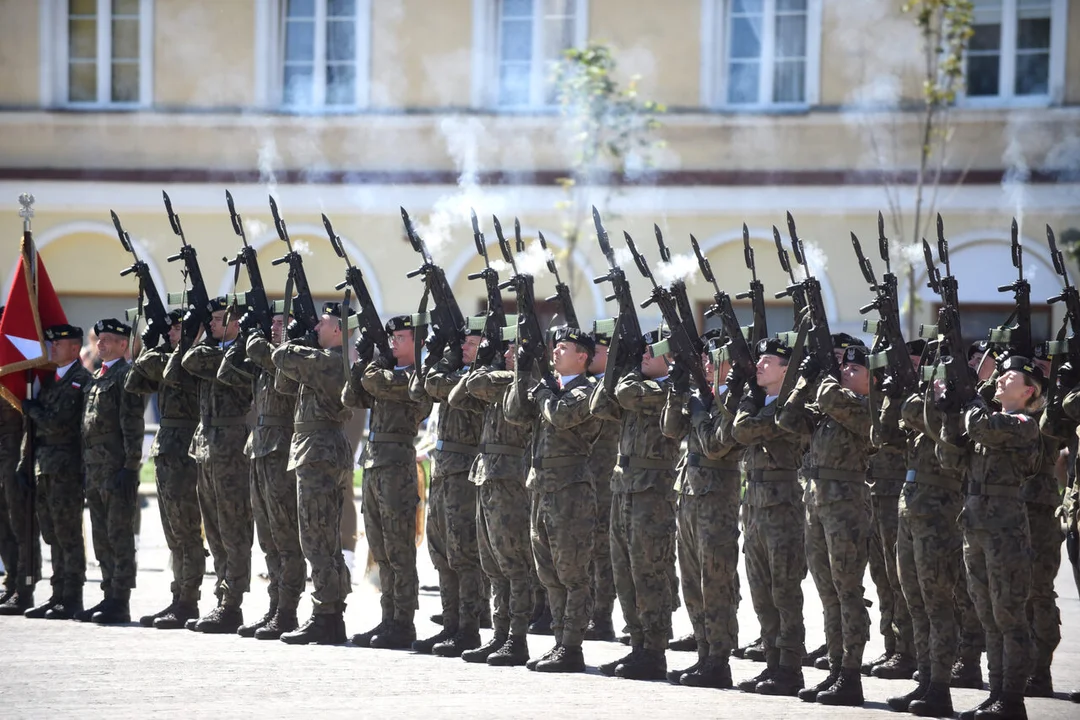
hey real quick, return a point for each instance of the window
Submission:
(1014, 53)
(324, 53)
(106, 49)
(761, 53)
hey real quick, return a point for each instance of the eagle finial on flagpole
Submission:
(26, 212)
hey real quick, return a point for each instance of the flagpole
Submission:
(26, 212)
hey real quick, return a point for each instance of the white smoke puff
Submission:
(682, 267)
(268, 159)
(502, 267)
(1031, 273)
(533, 261)
(623, 257)
(254, 229)
(911, 255)
(1017, 173)
(816, 258)
(302, 247)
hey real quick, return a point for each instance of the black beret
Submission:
(175, 316)
(979, 346)
(842, 341)
(218, 304)
(565, 333)
(601, 332)
(773, 346)
(63, 332)
(1023, 365)
(915, 347)
(333, 309)
(855, 355)
(1042, 351)
(399, 322)
(112, 325)
(600, 338)
(654, 336)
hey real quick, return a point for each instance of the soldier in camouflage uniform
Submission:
(451, 520)
(563, 499)
(837, 521)
(224, 485)
(56, 414)
(774, 544)
(322, 458)
(175, 473)
(502, 509)
(642, 512)
(389, 491)
(112, 438)
(602, 462)
(273, 486)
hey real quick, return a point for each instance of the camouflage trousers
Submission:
(895, 625)
(1042, 610)
(277, 527)
(642, 555)
(502, 525)
(225, 500)
(112, 526)
(929, 552)
(178, 503)
(972, 641)
(320, 496)
(775, 567)
(708, 543)
(603, 578)
(998, 565)
(563, 527)
(452, 545)
(837, 543)
(389, 500)
(16, 525)
(60, 516)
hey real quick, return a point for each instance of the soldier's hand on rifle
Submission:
(485, 354)
(1067, 376)
(384, 362)
(949, 402)
(680, 378)
(249, 325)
(810, 368)
(524, 359)
(453, 356)
(365, 348)
(757, 393)
(435, 345)
(150, 338)
(891, 388)
(735, 381)
(296, 330)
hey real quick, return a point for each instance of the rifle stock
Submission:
(157, 317)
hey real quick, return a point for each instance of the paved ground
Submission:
(72, 670)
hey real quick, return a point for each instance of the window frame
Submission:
(715, 16)
(1007, 63)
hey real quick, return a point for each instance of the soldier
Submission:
(175, 473)
(774, 544)
(502, 509)
(708, 525)
(322, 458)
(451, 521)
(273, 486)
(837, 517)
(112, 438)
(224, 485)
(56, 414)
(997, 542)
(563, 498)
(602, 462)
(642, 512)
(389, 491)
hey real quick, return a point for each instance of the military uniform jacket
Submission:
(605, 450)
(835, 464)
(1057, 429)
(57, 422)
(11, 421)
(503, 445)
(712, 456)
(457, 430)
(888, 464)
(930, 487)
(251, 365)
(773, 453)
(112, 420)
(178, 401)
(223, 409)
(319, 416)
(646, 456)
(1003, 454)
(395, 415)
(564, 436)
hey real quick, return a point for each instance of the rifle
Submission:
(304, 311)
(562, 291)
(630, 345)
(794, 290)
(678, 293)
(150, 304)
(684, 342)
(492, 350)
(530, 337)
(756, 293)
(367, 317)
(950, 340)
(1066, 346)
(1018, 335)
(447, 321)
(255, 298)
(819, 339)
(195, 297)
(738, 349)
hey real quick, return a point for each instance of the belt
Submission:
(773, 476)
(378, 437)
(316, 425)
(993, 489)
(447, 446)
(208, 421)
(559, 462)
(274, 421)
(888, 476)
(640, 463)
(93, 440)
(185, 424)
(820, 473)
(494, 449)
(941, 481)
(699, 460)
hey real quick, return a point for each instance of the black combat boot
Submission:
(437, 618)
(19, 603)
(531, 663)
(398, 635)
(787, 681)
(425, 646)
(222, 620)
(675, 676)
(364, 639)
(713, 672)
(1009, 706)
(321, 629)
(38, 613)
(1074, 696)
(284, 621)
(466, 638)
(248, 630)
(687, 643)
(751, 684)
(936, 702)
(847, 690)
(868, 666)
(6, 595)
(542, 624)
(178, 617)
(482, 653)
(600, 628)
(897, 667)
(1040, 684)
(810, 694)
(608, 668)
(116, 612)
(901, 703)
(995, 693)
(69, 607)
(87, 614)
(755, 653)
(564, 660)
(147, 621)
(822, 663)
(513, 653)
(649, 665)
(967, 673)
(811, 657)
(739, 652)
